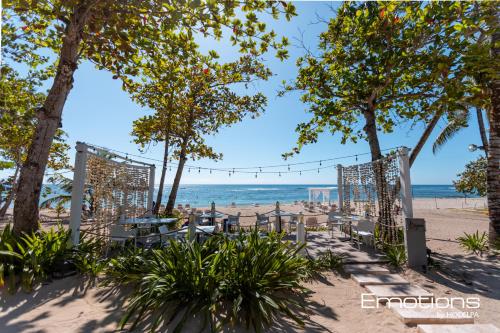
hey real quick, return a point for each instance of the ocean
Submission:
(203, 195)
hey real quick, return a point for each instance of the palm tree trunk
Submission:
(49, 120)
(12, 193)
(482, 130)
(425, 136)
(493, 169)
(175, 186)
(156, 208)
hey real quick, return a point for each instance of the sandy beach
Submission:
(74, 305)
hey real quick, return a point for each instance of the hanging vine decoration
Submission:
(119, 189)
(369, 191)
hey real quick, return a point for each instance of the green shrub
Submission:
(31, 258)
(474, 243)
(396, 255)
(325, 261)
(87, 256)
(249, 280)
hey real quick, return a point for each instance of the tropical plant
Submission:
(473, 179)
(31, 258)
(474, 243)
(87, 256)
(247, 281)
(325, 261)
(396, 255)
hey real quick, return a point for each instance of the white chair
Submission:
(292, 223)
(262, 220)
(118, 234)
(165, 235)
(364, 230)
(312, 222)
(233, 220)
(335, 220)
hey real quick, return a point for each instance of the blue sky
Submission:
(99, 112)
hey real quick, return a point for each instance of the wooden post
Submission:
(277, 226)
(151, 191)
(77, 191)
(340, 187)
(191, 228)
(405, 180)
(301, 230)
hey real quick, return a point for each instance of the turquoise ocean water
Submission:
(203, 195)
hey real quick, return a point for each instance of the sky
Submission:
(99, 112)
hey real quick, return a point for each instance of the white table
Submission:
(209, 229)
(147, 220)
(217, 215)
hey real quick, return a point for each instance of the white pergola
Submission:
(315, 193)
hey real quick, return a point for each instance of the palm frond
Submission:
(59, 199)
(450, 130)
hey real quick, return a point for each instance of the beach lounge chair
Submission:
(233, 220)
(262, 220)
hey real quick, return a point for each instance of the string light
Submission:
(243, 170)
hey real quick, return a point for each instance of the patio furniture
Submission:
(165, 235)
(312, 222)
(232, 220)
(201, 219)
(262, 220)
(279, 214)
(293, 222)
(364, 232)
(335, 220)
(118, 234)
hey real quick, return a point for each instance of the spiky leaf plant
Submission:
(474, 243)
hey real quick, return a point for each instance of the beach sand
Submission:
(70, 305)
